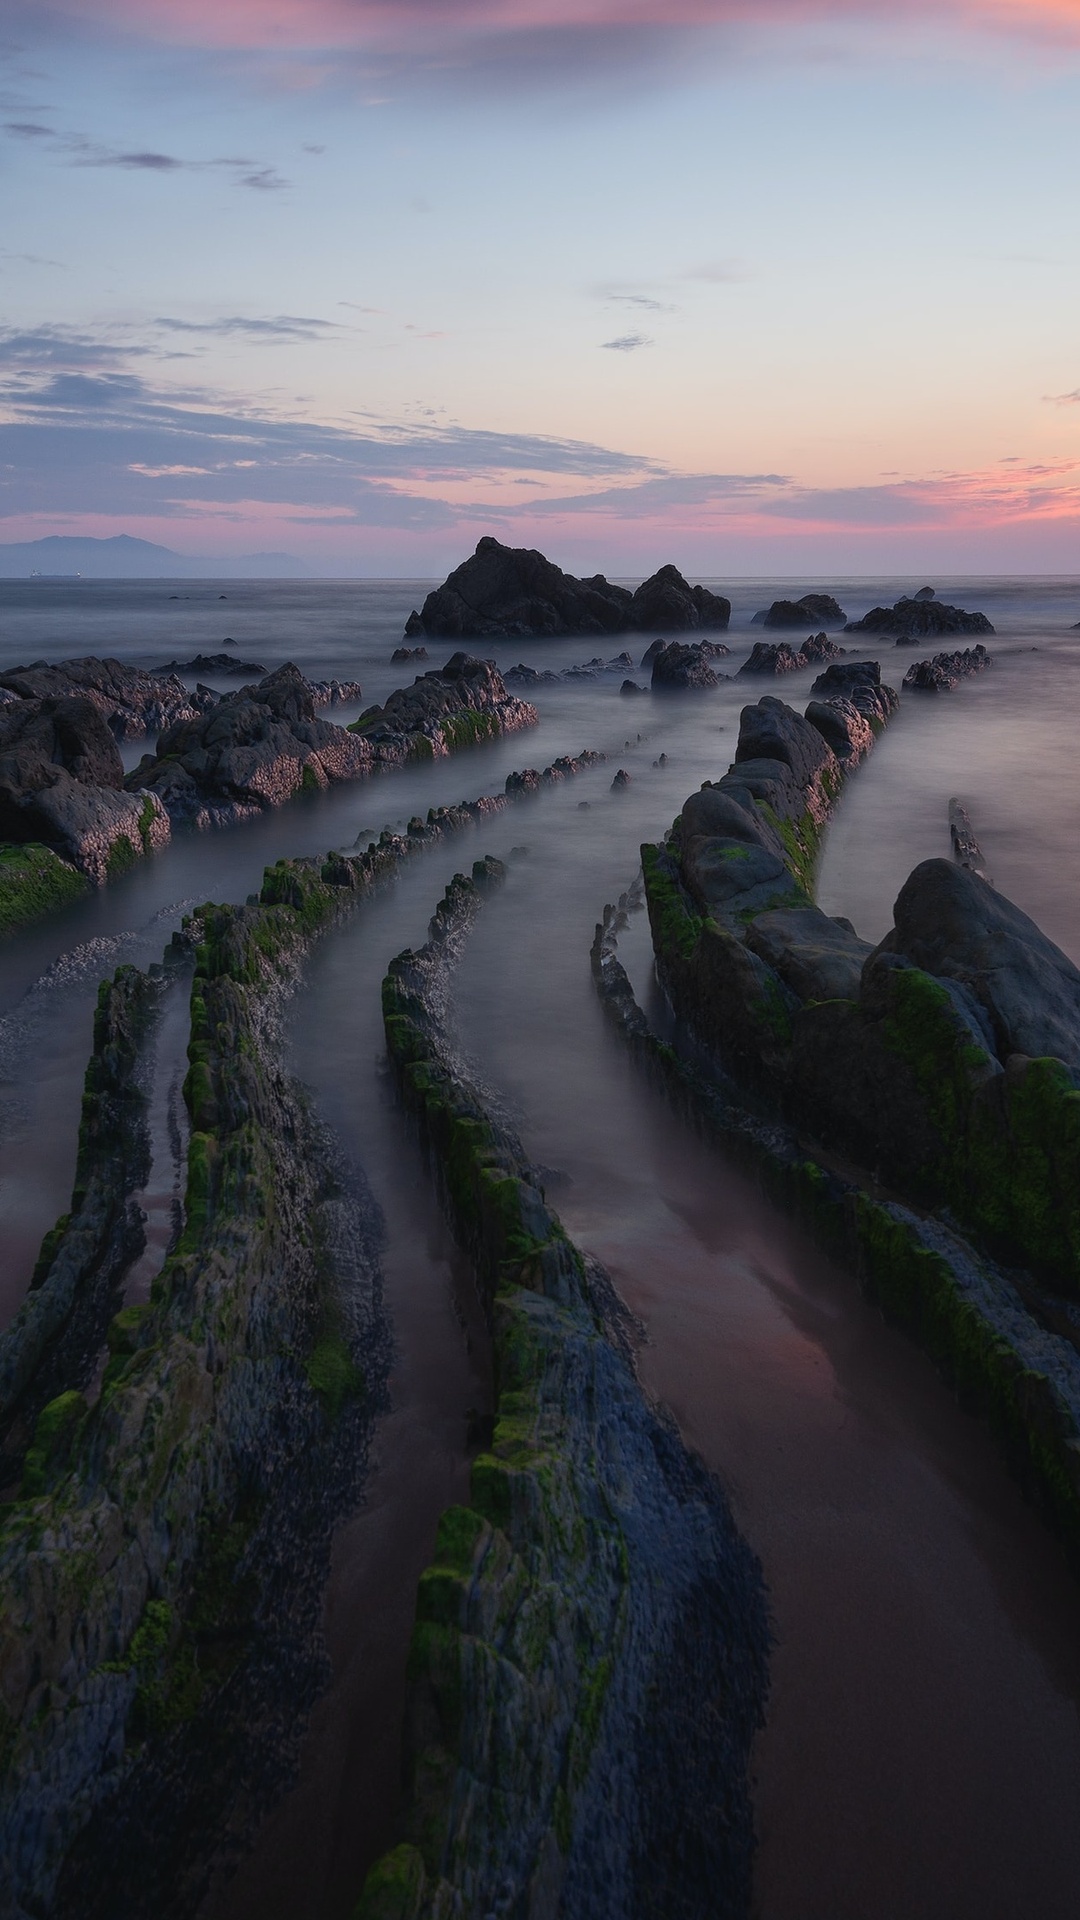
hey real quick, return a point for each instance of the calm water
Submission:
(923, 1747)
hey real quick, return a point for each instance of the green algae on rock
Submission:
(588, 1661)
(34, 881)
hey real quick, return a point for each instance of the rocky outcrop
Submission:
(919, 619)
(587, 1665)
(224, 663)
(946, 1061)
(776, 657)
(946, 670)
(966, 849)
(459, 705)
(254, 749)
(678, 666)
(132, 701)
(859, 681)
(61, 781)
(53, 1342)
(401, 654)
(514, 593)
(819, 607)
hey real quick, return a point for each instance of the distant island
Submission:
(123, 557)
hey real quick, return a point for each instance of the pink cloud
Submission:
(269, 24)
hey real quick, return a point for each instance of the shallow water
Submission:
(922, 1752)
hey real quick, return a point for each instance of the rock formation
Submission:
(820, 607)
(588, 1657)
(919, 619)
(61, 786)
(677, 665)
(775, 657)
(133, 702)
(458, 705)
(514, 592)
(946, 670)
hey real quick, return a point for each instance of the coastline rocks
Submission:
(458, 705)
(859, 682)
(678, 666)
(776, 657)
(252, 750)
(61, 785)
(820, 607)
(919, 619)
(631, 687)
(133, 702)
(214, 663)
(401, 654)
(515, 592)
(954, 925)
(622, 779)
(946, 670)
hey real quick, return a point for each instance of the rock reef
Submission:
(919, 619)
(946, 670)
(515, 593)
(776, 657)
(455, 706)
(588, 1662)
(132, 701)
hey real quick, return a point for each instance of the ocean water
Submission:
(922, 1752)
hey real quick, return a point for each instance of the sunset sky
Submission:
(752, 285)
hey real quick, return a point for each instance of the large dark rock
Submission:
(776, 657)
(818, 608)
(133, 702)
(858, 681)
(252, 750)
(516, 593)
(214, 663)
(946, 670)
(677, 666)
(61, 784)
(458, 705)
(919, 619)
(954, 925)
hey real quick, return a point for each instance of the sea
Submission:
(921, 1752)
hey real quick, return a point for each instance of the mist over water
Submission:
(923, 1747)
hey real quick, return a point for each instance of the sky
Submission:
(756, 286)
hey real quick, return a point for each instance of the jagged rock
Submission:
(667, 600)
(819, 607)
(631, 687)
(770, 657)
(847, 731)
(858, 681)
(919, 619)
(508, 592)
(952, 924)
(817, 647)
(213, 663)
(458, 705)
(254, 749)
(401, 654)
(678, 665)
(133, 702)
(622, 779)
(61, 780)
(946, 670)
(523, 676)
(335, 693)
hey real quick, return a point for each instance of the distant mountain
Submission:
(122, 557)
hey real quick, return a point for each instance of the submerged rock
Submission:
(946, 670)
(514, 592)
(214, 663)
(819, 607)
(919, 619)
(678, 665)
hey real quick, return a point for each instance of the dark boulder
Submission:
(253, 750)
(954, 925)
(678, 666)
(912, 620)
(817, 958)
(622, 779)
(133, 702)
(667, 600)
(515, 592)
(770, 657)
(61, 783)
(213, 663)
(858, 681)
(817, 648)
(946, 670)
(814, 608)
(631, 686)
